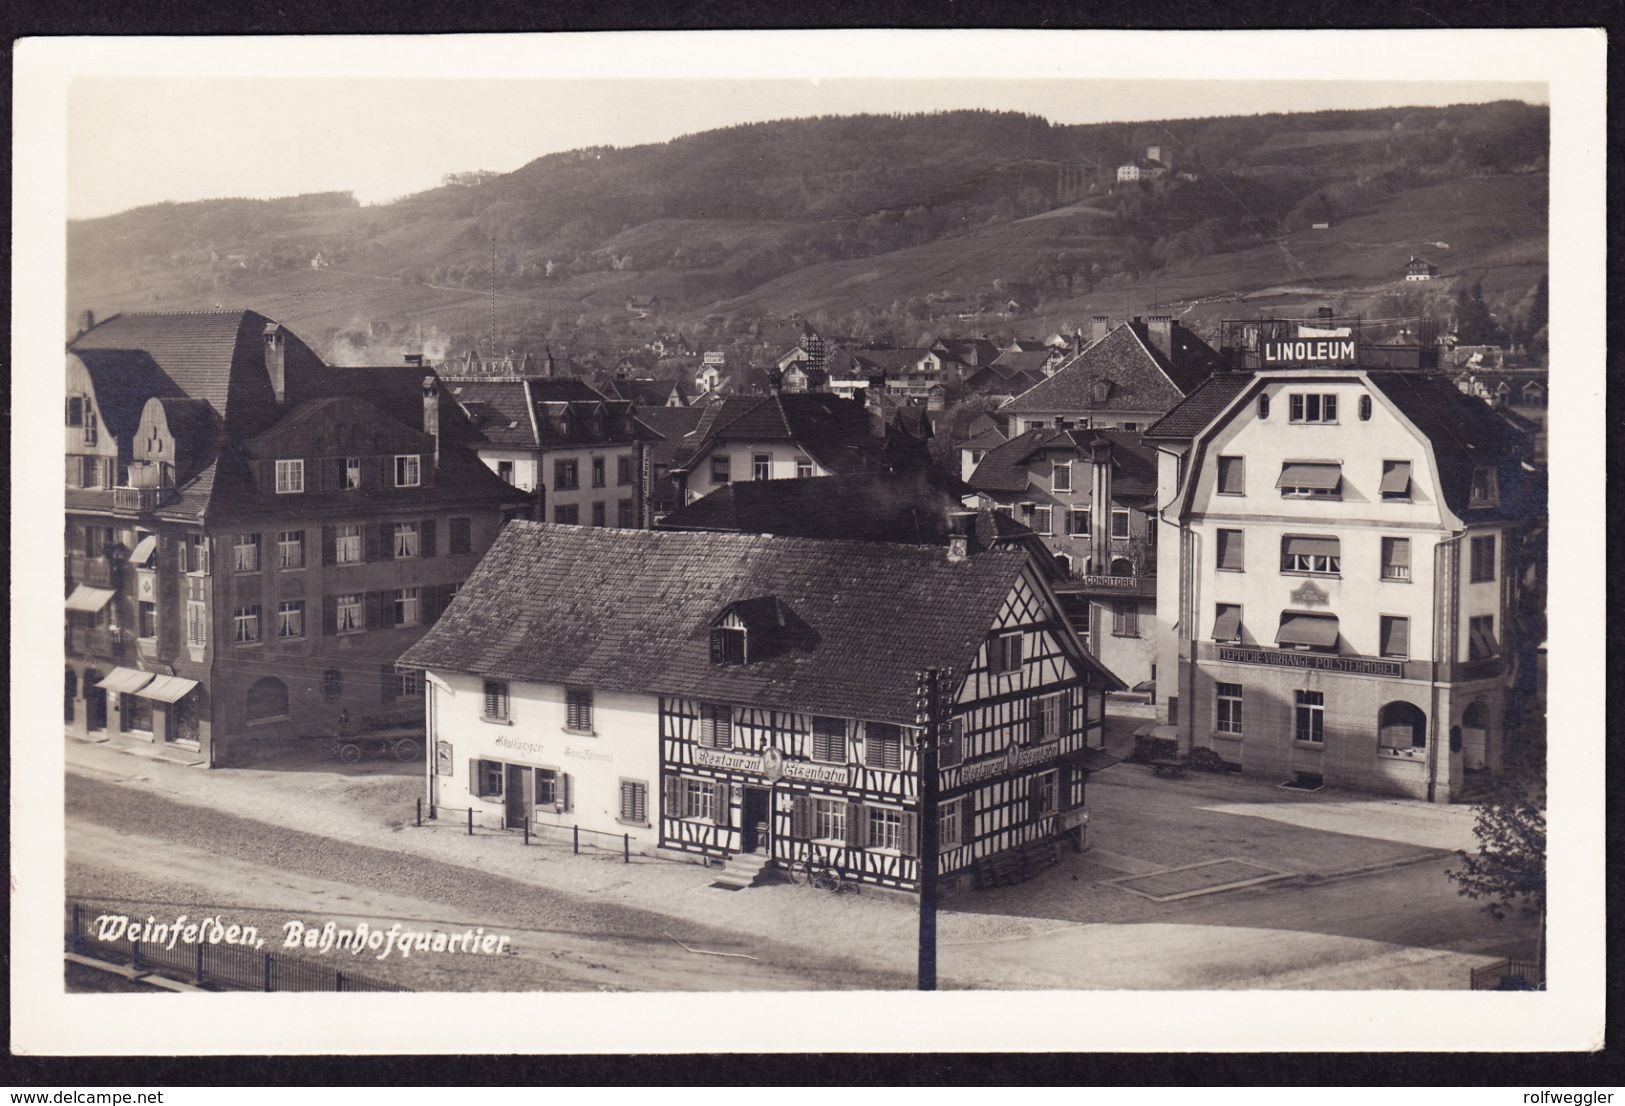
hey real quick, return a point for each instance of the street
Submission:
(1343, 891)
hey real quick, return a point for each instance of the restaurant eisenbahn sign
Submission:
(840, 774)
(1308, 351)
(1014, 759)
(1358, 666)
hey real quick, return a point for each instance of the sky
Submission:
(135, 140)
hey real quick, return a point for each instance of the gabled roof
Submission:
(1140, 376)
(1032, 361)
(833, 431)
(991, 438)
(888, 360)
(521, 413)
(1199, 408)
(1134, 463)
(124, 380)
(911, 508)
(631, 611)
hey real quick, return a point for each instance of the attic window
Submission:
(728, 645)
(1486, 489)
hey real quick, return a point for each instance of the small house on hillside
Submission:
(1418, 268)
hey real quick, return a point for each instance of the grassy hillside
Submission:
(926, 217)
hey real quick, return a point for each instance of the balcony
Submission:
(96, 643)
(98, 572)
(140, 501)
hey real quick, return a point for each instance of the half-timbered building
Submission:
(765, 692)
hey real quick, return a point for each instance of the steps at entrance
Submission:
(745, 870)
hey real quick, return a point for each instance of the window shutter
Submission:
(1035, 795)
(265, 475)
(375, 612)
(473, 777)
(369, 540)
(330, 615)
(722, 811)
(967, 814)
(74, 471)
(330, 546)
(1063, 787)
(854, 825)
(564, 795)
(801, 817)
(1035, 720)
(670, 797)
(909, 835)
(388, 685)
(386, 541)
(426, 538)
(716, 646)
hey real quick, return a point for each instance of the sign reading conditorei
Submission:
(1355, 666)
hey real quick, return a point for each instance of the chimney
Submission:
(1100, 504)
(960, 526)
(431, 413)
(415, 360)
(276, 359)
(1077, 341)
(1161, 329)
(87, 320)
(1099, 327)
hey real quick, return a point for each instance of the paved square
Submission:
(1199, 879)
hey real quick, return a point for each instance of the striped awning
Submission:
(144, 550)
(1322, 475)
(1317, 631)
(88, 600)
(167, 689)
(125, 681)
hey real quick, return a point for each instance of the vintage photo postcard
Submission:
(809, 541)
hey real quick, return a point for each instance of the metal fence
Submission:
(578, 836)
(208, 962)
(1511, 974)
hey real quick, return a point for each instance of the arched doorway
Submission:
(1402, 727)
(1475, 735)
(267, 700)
(1122, 566)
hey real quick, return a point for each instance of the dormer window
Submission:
(728, 645)
(290, 477)
(408, 470)
(1486, 491)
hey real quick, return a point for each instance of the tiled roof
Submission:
(910, 508)
(124, 380)
(673, 424)
(1466, 433)
(1200, 407)
(833, 431)
(888, 360)
(1024, 361)
(516, 413)
(1004, 468)
(987, 439)
(1139, 375)
(631, 611)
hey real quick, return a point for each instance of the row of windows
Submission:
(1077, 424)
(1324, 480)
(578, 704)
(345, 544)
(761, 467)
(1393, 633)
(567, 473)
(1314, 555)
(1400, 725)
(290, 473)
(570, 514)
(1041, 517)
(399, 608)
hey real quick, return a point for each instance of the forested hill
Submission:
(710, 218)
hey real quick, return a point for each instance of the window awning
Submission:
(1310, 474)
(1396, 637)
(144, 550)
(125, 681)
(1310, 546)
(1396, 480)
(88, 600)
(1318, 631)
(1483, 641)
(1227, 627)
(167, 689)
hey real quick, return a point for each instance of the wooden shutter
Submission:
(1063, 787)
(1035, 796)
(432, 598)
(369, 542)
(563, 796)
(717, 656)
(473, 777)
(330, 615)
(265, 475)
(426, 536)
(909, 834)
(388, 685)
(967, 815)
(671, 796)
(330, 546)
(376, 611)
(722, 810)
(854, 825)
(386, 541)
(801, 817)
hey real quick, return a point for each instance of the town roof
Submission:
(990, 438)
(888, 360)
(520, 413)
(833, 431)
(124, 380)
(883, 507)
(1013, 361)
(1140, 376)
(1004, 468)
(1200, 407)
(631, 611)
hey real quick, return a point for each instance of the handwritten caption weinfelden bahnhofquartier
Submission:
(330, 937)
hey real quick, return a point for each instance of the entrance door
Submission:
(517, 795)
(95, 702)
(753, 834)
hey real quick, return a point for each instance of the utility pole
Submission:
(929, 714)
(493, 296)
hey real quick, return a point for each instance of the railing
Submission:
(98, 572)
(139, 500)
(97, 643)
(465, 817)
(1511, 974)
(206, 962)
